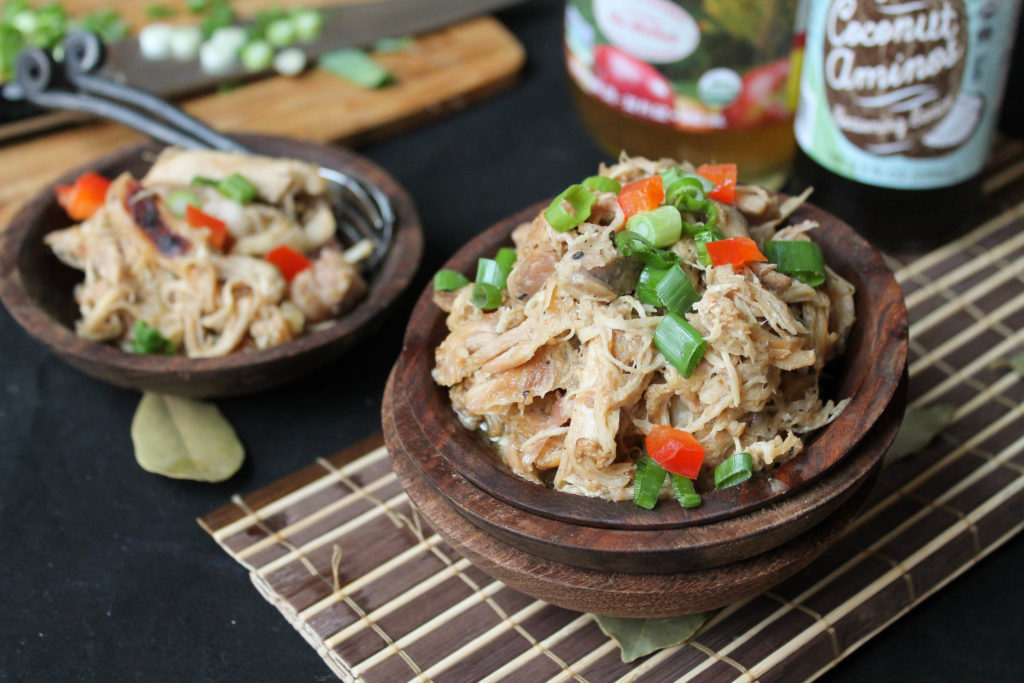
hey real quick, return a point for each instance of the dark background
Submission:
(104, 573)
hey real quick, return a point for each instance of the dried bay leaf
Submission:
(184, 439)
(920, 425)
(640, 637)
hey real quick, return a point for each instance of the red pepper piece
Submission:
(219, 235)
(724, 178)
(641, 195)
(675, 450)
(735, 251)
(84, 198)
(288, 261)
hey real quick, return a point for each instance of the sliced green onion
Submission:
(486, 296)
(602, 184)
(646, 286)
(158, 11)
(579, 198)
(238, 188)
(11, 42)
(446, 280)
(800, 258)
(685, 493)
(701, 239)
(736, 469)
(386, 45)
(631, 244)
(686, 191)
(146, 339)
(219, 16)
(676, 292)
(257, 55)
(662, 227)
(199, 180)
(290, 61)
(308, 23)
(647, 482)
(281, 32)
(680, 343)
(354, 65)
(490, 272)
(506, 256)
(177, 200)
(198, 6)
(185, 42)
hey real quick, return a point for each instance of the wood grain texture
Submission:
(868, 373)
(659, 550)
(610, 592)
(37, 289)
(442, 71)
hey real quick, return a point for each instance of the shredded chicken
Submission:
(142, 262)
(565, 379)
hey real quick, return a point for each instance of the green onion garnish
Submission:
(687, 191)
(281, 32)
(676, 292)
(158, 11)
(486, 296)
(308, 23)
(146, 339)
(662, 227)
(734, 470)
(356, 66)
(800, 258)
(257, 55)
(177, 200)
(631, 244)
(684, 491)
(238, 188)
(647, 482)
(680, 343)
(646, 286)
(446, 280)
(199, 180)
(701, 239)
(601, 183)
(506, 256)
(490, 272)
(579, 198)
(385, 45)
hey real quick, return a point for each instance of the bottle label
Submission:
(903, 93)
(691, 64)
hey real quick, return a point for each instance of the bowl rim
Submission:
(871, 380)
(107, 362)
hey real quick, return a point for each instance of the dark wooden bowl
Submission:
(37, 288)
(658, 550)
(607, 590)
(869, 373)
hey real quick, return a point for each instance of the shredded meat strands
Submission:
(564, 376)
(207, 301)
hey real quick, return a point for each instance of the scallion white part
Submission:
(155, 41)
(214, 58)
(290, 62)
(185, 41)
(230, 38)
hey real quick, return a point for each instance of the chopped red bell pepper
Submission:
(675, 450)
(219, 235)
(724, 178)
(735, 251)
(83, 198)
(641, 195)
(288, 261)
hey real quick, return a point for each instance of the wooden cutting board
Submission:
(439, 72)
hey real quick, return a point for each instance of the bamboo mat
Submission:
(338, 550)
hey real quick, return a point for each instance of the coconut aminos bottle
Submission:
(898, 102)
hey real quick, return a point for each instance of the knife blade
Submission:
(356, 24)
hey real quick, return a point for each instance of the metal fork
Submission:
(361, 209)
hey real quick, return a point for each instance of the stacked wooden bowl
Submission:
(614, 558)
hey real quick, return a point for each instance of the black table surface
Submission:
(107, 576)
